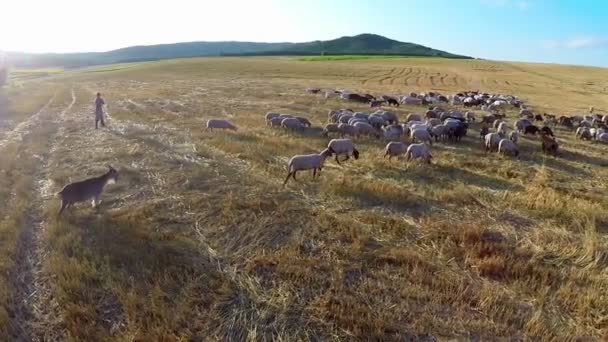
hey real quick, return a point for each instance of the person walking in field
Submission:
(99, 103)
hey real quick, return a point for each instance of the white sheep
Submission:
(220, 124)
(412, 100)
(521, 124)
(603, 137)
(394, 149)
(502, 129)
(433, 122)
(393, 132)
(492, 140)
(346, 129)
(275, 122)
(292, 123)
(343, 147)
(307, 162)
(413, 117)
(366, 129)
(361, 115)
(439, 131)
(421, 135)
(304, 121)
(514, 136)
(271, 115)
(506, 146)
(330, 128)
(419, 151)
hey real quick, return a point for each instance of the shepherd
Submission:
(99, 103)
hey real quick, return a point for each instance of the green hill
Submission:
(363, 44)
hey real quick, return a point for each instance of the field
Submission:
(199, 240)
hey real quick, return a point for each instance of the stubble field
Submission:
(199, 239)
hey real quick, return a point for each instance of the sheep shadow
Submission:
(585, 159)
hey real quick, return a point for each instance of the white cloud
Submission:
(575, 43)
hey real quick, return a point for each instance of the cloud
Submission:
(576, 43)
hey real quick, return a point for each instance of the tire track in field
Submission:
(396, 76)
(386, 76)
(406, 75)
(37, 312)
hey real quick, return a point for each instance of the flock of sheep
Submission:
(436, 124)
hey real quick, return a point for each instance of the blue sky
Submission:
(556, 31)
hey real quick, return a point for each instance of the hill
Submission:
(363, 44)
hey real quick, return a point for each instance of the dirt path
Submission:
(36, 313)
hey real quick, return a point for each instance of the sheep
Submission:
(285, 116)
(506, 146)
(419, 151)
(488, 119)
(532, 129)
(361, 115)
(410, 100)
(377, 120)
(271, 115)
(439, 131)
(395, 149)
(304, 121)
(307, 162)
(549, 144)
(433, 122)
(313, 90)
(275, 122)
(393, 132)
(521, 124)
(343, 147)
(330, 128)
(514, 136)
(343, 118)
(583, 133)
(390, 117)
(602, 137)
(430, 114)
(492, 140)
(421, 135)
(502, 129)
(413, 117)
(366, 129)
(346, 129)
(547, 130)
(292, 123)
(220, 124)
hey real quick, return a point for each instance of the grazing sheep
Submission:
(304, 121)
(220, 124)
(343, 147)
(271, 115)
(514, 136)
(389, 117)
(343, 118)
(433, 122)
(361, 115)
(393, 132)
(331, 128)
(532, 129)
(376, 121)
(488, 119)
(366, 129)
(275, 122)
(395, 149)
(549, 144)
(502, 129)
(421, 135)
(307, 162)
(583, 133)
(376, 103)
(430, 114)
(353, 121)
(292, 124)
(506, 146)
(492, 140)
(410, 100)
(547, 130)
(521, 124)
(439, 131)
(413, 117)
(602, 137)
(346, 129)
(419, 151)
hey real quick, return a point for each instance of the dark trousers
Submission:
(99, 118)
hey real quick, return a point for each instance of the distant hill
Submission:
(363, 44)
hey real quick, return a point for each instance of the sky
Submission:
(553, 31)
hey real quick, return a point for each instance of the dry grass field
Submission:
(198, 240)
